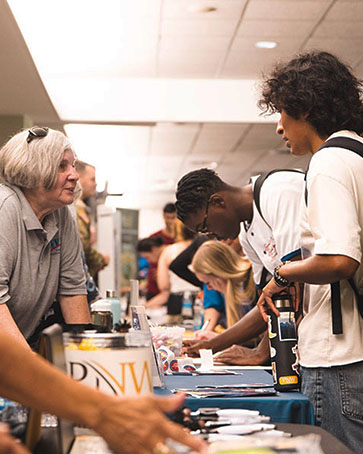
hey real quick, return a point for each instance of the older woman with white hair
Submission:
(39, 240)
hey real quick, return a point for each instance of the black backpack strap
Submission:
(339, 142)
(336, 308)
(344, 142)
(258, 185)
(358, 296)
(263, 279)
(356, 147)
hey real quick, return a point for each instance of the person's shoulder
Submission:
(285, 176)
(337, 160)
(283, 184)
(64, 217)
(158, 233)
(8, 198)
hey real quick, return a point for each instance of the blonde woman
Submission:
(223, 269)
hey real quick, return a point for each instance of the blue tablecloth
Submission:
(285, 407)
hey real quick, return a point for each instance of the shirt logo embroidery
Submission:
(270, 247)
(55, 246)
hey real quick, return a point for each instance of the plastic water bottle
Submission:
(115, 306)
(283, 344)
(187, 308)
(198, 313)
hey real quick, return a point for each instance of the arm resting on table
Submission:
(75, 309)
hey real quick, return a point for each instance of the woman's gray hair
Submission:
(29, 165)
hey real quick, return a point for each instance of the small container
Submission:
(101, 314)
(115, 363)
(115, 306)
(170, 337)
(283, 344)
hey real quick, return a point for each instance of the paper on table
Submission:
(206, 357)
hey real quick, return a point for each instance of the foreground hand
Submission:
(191, 347)
(265, 302)
(8, 444)
(242, 356)
(137, 425)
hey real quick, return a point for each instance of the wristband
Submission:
(280, 280)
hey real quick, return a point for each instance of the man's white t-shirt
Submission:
(275, 237)
(332, 223)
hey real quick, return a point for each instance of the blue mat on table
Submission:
(285, 407)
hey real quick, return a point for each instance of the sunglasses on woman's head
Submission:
(36, 133)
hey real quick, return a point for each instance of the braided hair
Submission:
(194, 190)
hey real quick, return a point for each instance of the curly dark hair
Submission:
(194, 190)
(319, 85)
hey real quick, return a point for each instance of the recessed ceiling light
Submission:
(266, 44)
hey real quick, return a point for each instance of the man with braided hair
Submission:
(208, 205)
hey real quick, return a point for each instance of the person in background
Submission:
(321, 112)
(208, 205)
(128, 424)
(39, 240)
(171, 286)
(168, 233)
(222, 269)
(95, 260)
(151, 249)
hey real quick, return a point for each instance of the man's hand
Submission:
(137, 425)
(242, 356)
(8, 444)
(191, 347)
(265, 302)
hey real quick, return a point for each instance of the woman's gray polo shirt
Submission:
(37, 261)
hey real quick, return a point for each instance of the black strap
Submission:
(263, 278)
(339, 142)
(336, 308)
(358, 297)
(256, 197)
(357, 147)
(259, 182)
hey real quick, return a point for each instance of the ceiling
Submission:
(150, 89)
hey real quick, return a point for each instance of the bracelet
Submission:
(280, 280)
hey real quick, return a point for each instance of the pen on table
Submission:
(205, 325)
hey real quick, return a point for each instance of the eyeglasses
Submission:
(204, 228)
(36, 133)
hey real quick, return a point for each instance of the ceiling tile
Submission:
(340, 29)
(171, 66)
(218, 138)
(349, 50)
(359, 69)
(195, 9)
(346, 11)
(173, 139)
(260, 137)
(265, 29)
(286, 9)
(199, 27)
(186, 44)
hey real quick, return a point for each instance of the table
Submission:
(329, 444)
(285, 407)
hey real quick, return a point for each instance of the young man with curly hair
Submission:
(320, 103)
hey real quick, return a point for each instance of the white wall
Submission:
(150, 221)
